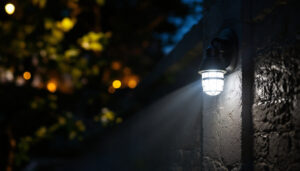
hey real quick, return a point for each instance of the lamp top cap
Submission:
(221, 53)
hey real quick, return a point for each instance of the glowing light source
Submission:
(37, 82)
(27, 75)
(116, 65)
(220, 58)
(66, 24)
(9, 75)
(9, 8)
(213, 82)
(91, 41)
(132, 83)
(116, 84)
(111, 90)
(20, 81)
(51, 86)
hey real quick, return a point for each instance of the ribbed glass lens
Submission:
(212, 82)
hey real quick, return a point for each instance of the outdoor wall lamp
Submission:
(220, 58)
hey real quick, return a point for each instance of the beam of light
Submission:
(170, 122)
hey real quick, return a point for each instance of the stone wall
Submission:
(254, 123)
(276, 113)
(275, 51)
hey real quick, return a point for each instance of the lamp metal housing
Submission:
(220, 58)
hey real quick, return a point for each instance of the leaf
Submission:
(41, 132)
(66, 24)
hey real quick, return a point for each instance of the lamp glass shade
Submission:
(212, 81)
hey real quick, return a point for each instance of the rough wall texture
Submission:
(222, 127)
(276, 113)
(274, 28)
(222, 113)
(267, 134)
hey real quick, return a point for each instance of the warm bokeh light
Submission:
(127, 71)
(20, 81)
(9, 8)
(37, 81)
(67, 24)
(26, 75)
(51, 86)
(132, 83)
(111, 90)
(116, 65)
(91, 41)
(9, 76)
(116, 84)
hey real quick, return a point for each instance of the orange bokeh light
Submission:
(116, 65)
(51, 86)
(26, 75)
(111, 90)
(132, 83)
